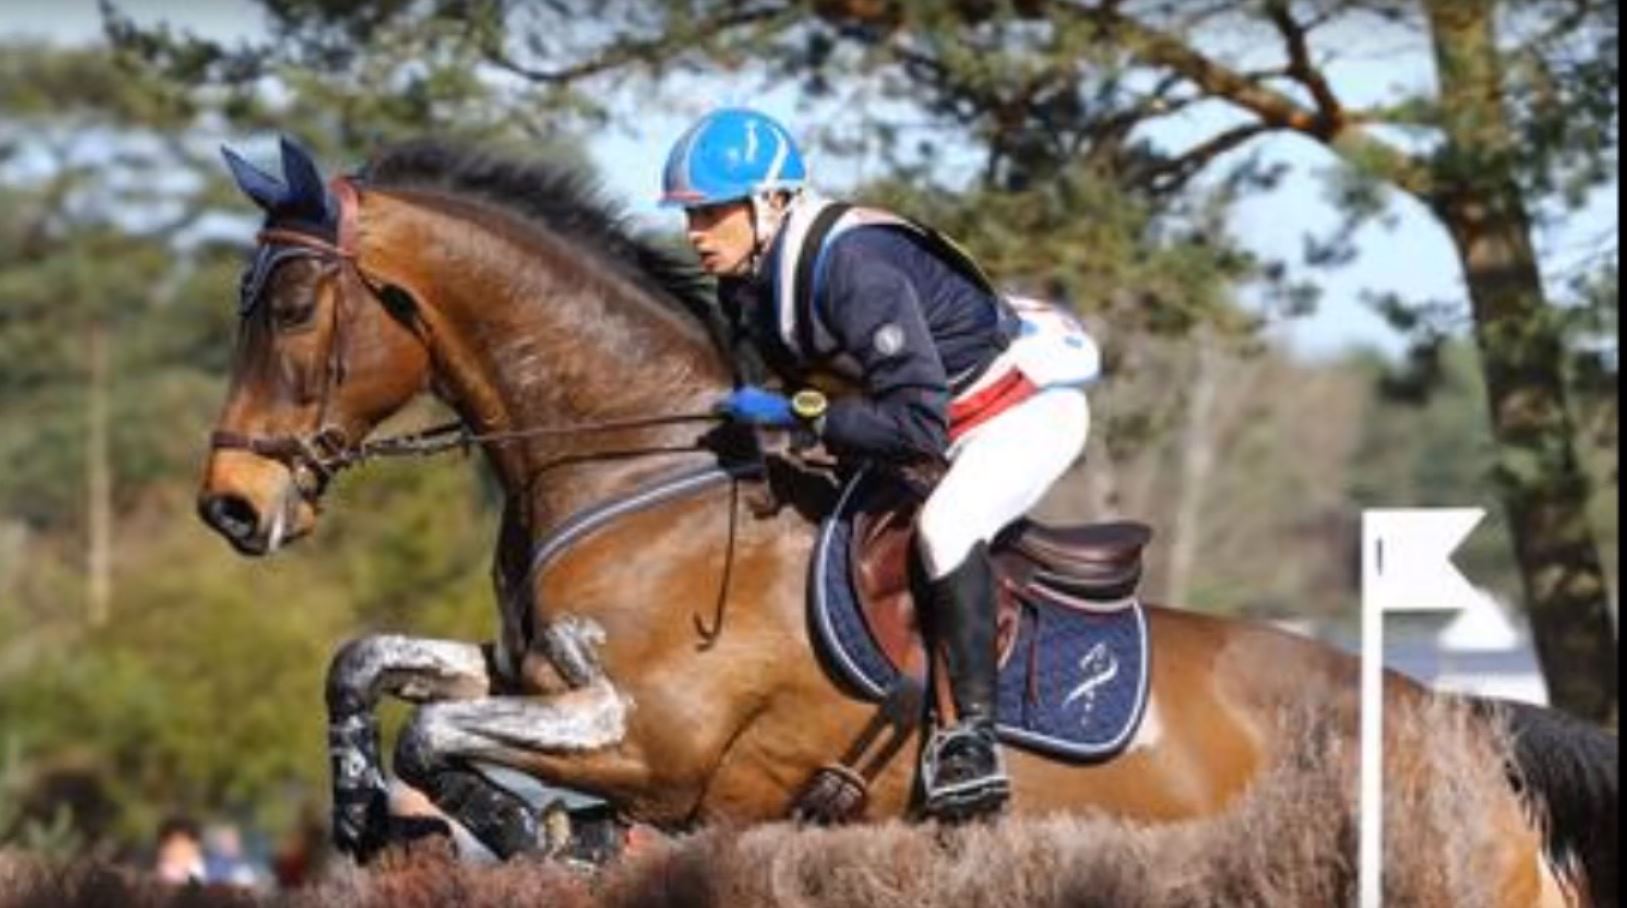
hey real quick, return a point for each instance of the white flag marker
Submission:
(1406, 566)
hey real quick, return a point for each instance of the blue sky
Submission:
(1411, 255)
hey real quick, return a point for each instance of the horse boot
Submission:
(962, 772)
(500, 819)
(360, 799)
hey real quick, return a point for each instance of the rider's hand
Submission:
(758, 406)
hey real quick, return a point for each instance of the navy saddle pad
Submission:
(1075, 683)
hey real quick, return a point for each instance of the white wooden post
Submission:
(1406, 566)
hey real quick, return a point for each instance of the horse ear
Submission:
(307, 194)
(264, 189)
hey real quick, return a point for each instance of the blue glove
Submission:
(758, 407)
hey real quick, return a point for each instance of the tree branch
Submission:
(982, 99)
(627, 51)
(1302, 69)
(1172, 174)
(1407, 113)
(1274, 109)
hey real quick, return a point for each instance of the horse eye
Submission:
(294, 311)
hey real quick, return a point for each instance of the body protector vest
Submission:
(1045, 342)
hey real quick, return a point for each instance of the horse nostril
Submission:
(233, 516)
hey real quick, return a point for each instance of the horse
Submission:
(658, 655)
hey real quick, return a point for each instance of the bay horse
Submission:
(577, 356)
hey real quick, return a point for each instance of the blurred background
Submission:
(1339, 254)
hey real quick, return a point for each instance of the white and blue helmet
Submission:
(731, 154)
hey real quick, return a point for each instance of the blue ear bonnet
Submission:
(266, 258)
(299, 201)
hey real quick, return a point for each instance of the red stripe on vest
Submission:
(973, 410)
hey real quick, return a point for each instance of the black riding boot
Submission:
(961, 769)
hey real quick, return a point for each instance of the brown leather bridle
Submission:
(316, 456)
(313, 457)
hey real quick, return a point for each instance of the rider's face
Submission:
(723, 237)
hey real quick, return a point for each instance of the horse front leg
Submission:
(362, 671)
(438, 749)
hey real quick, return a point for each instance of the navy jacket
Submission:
(910, 328)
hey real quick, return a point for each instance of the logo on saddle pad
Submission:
(1098, 666)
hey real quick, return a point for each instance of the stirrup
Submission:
(960, 799)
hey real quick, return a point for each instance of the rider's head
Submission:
(733, 173)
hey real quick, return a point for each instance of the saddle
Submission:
(1092, 567)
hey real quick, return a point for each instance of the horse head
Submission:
(323, 355)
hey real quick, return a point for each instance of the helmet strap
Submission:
(766, 221)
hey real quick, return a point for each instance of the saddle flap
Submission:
(881, 576)
(882, 546)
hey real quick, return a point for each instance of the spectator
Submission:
(179, 857)
(223, 859)
(303, 851)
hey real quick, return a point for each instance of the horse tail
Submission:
(1567, 770)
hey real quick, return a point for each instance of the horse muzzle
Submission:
(255, 503)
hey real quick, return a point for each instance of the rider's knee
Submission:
(943, 537)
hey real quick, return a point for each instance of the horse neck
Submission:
(528, 330)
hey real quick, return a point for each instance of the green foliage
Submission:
(54, 837)
(163, 342)
(1437, 452)
(353, 77)
(204, 690)
(85, 85)
(1562, 85)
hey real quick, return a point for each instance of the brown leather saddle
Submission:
(1093, 567)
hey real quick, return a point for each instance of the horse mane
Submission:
(562, 198)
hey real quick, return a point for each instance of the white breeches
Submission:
(998, 471)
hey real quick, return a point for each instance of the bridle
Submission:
(314, 457)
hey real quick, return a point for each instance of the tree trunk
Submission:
(1543, 488)
(1101, 479)
(99, 481)
(1197, 462)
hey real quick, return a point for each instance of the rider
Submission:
(947, 372)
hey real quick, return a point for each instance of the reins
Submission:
(455, 435)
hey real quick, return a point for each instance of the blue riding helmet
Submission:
(730, 154)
